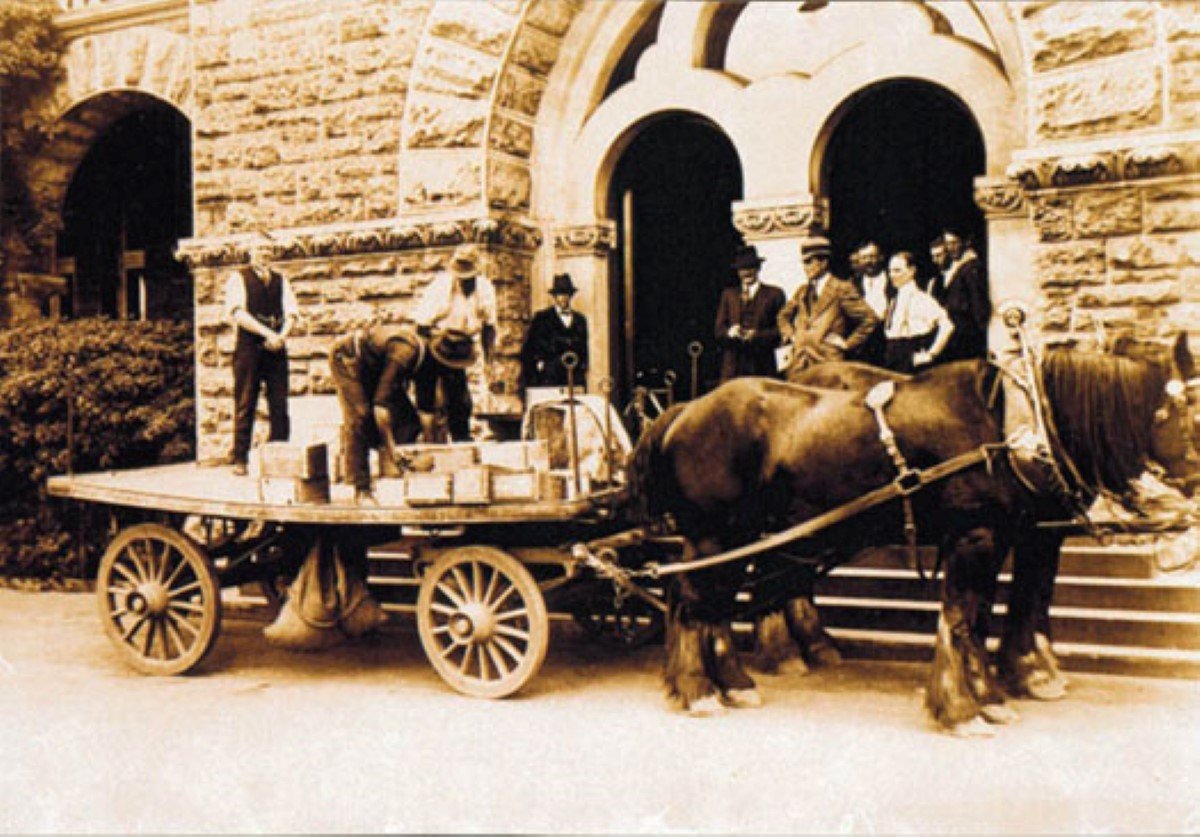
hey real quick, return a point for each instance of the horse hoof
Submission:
(1045, 688)
(743, 698)
(974, 728)
(708, 706)
(998, 713)
(827, 656)
(792, 666)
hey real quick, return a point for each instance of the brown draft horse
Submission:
(756, 456)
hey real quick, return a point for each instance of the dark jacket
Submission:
(810, 324)
(545, 344)
(970, 308)
(755, 356)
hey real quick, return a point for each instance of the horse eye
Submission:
(1175, 388)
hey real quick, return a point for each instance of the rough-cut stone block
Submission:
(1060, 34)
(519, 91)
(1175, 207)
(1154, 251)
(1117, 97)
(446, 122)
(552, 16)
(1143, 277)
(1185, 92)
(1052, 217)
(1070, 265)
(367, 266)
(511, 136)
(476, 25)
(1153, 294)
(440, 180)
(454, 71)
(1108, 212)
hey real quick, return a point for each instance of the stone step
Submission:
(1179, 593)
(1123, 628)
(1078, 558)
(858, 643)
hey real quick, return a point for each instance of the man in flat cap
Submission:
(456, 313)
(826, 317)
(747, 327)
(553, 332)
(259, 303)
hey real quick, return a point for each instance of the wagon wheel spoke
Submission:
(124, 572)
(189, 607)
(141, 560)
(161, 562)
(461, 581)
(515, 633)
(477, 582)
(444, 610)
(483, 666)
(498, 660)
(509, 649)
(486, 598)
(503, 597)
(183, 622)
(519, 613)
(175, 574)
(127, 636)
(148, 638)
(185, 589)
(454, 598)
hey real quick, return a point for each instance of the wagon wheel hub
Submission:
(475, 622)
(149, 598)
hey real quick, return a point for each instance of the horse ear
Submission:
(1123, 343)
(1183, 356)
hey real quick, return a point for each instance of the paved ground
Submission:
(365, 738)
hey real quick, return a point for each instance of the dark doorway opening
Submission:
(128, 205)
(900, 168)
(672, 195)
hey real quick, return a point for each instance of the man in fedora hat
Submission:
(553, 332)
(457, 313)
(260, 305)
(826, 317)
(747, 327)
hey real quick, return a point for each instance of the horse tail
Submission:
(650, 485)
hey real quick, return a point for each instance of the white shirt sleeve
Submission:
(925, 314)
(290, 307)
(235, 294)
(487, 302)
(433, 302)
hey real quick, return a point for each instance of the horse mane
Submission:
(648, 482)
(1103, 407)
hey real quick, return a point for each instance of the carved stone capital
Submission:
(307, 244)
(585, 239)
(999, 197)
(1158, 161)
(757, 221)
(1111, 165)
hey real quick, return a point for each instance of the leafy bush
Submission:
(132, 386)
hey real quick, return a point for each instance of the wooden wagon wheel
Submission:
(483, 621)
(159, 599)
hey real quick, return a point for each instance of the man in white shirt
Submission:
(456, 313)
(260, 305)
(916, 327)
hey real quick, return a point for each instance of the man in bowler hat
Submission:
(747, 328)
(553, 332)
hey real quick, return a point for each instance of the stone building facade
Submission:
(372, 136)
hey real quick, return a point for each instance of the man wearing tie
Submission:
(747, 328)
(826, 317)
(871, 281)
(962, 289)
(553, 332)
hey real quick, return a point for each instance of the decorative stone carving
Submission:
(1083, 169)
(520, 92)
(511, 136)
(509, 186)
(218, 252)
(586, 239)
(780, 220)
(552, 16)
(999, 197)
(536, 51)
(1159, 161)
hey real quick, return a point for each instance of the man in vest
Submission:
(456, 312)
(747, 327)
(826, 318)
(259, 303)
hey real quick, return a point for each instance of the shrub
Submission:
(132, 385)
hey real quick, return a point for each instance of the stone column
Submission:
(583, 250)
(775, 226)
(1011, 239)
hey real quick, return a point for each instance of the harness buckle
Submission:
(908, 482)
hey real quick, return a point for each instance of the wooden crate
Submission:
(284, 459)
(473, 486)
(428, 489)
(516, 456)
(446, 458)
(527, 486)
(290, 490)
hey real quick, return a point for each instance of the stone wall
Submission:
(1112, 171)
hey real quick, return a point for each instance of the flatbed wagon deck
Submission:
(192, 489)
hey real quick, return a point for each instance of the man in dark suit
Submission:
(826, 317)
(962, 289)
(747, 328)
(553, 332)
(871, 281)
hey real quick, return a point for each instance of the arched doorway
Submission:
(128, 205)
(900, 167)
(671, 195)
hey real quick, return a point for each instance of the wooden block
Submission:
(515, 486)
(427, 489)
(473, 486)
(516, 456)
(390, 492)
(446, 458)
(289, 490)
(284, 459)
